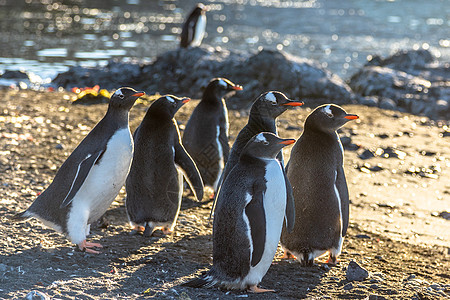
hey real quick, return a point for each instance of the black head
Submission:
(265, 145)
(124, 98)
(272, 104)
(200, 8)
(219, 87)
(328, 118)
(167, 106)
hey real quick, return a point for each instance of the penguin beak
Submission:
(138, 94)
(351, 117)
(185, 100)
(287, 142)
(237, 88)
(293, 103)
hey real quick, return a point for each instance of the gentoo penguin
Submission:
(263, 113)
(251, 207)
(194, 28)
(316, 173)
(155, 184)
(91, 177)
(206, 134)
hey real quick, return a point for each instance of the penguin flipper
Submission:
(290, 204)
(341, 185)
(223, 139)
(254, 210)
(192, 175)
(83, 169)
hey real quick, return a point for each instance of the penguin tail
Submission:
(20, 216)
(204, 280)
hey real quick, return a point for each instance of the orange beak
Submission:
(237, 88)
(351, 117)
(287, 142)
(294, 103)
(138, 94)
(186, 100)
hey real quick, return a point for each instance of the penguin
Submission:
(251, 207)
(206, 134)
(194, 28)
(263, 114)
(155, 183)
(90, 179)
(316, 173)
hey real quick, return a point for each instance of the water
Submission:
(46, 37)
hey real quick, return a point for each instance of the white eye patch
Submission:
(170, 99)
(222, 83)
(260, 138)
(118, 93)
(327, 111)
(271, 97)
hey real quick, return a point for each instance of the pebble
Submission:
(376, 297)
(36, 295)
(348, 286)
(355, 272)
(59, 147)
(366, 154)
(362, 236)
(387, 103)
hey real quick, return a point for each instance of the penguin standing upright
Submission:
(251, 207)
(206, 134)
(194, 27)
(91, 177)
(155, 184)
(263, 113)
(316, 173)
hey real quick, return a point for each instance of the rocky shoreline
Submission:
(409, 81)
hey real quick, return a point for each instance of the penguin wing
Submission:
(192, 175)
(223, 139)
(254, 211)
(83, 169)
(290, 203)
(341, 185)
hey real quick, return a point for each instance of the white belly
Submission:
(102, 185)
(221, 160)
(275, 210)
(199, 31)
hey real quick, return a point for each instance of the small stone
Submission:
(355, 272)
(36, 295)
(411, 277)
(376, 297)
(387, 103)
(436, 287)
(362, 236)
(374, 286)
(346, 140)
(366, 154)
(348, 286)
(59, 147)
(445, 215)
(442, 106)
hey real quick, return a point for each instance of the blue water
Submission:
(47, 37)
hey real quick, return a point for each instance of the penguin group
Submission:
(259, 201)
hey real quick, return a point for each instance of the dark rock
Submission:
(186, 71)
(445, 215)
(442, 106)
(355, 272)
(366, 154)
(369, 101)
(14, 75)
(376, 297)
(383, 136)
(348, 286)
(59, 146)
(362, 236)
(387, 103)
(404, 60)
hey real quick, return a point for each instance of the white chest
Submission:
(199, 31)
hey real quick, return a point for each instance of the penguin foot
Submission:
(167, 230)
(332, 260)
(256, 289)
(307, 262)
(288, 255)
(137, 230)
(85, 246)
(148, 231)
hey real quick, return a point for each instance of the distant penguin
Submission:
(316, 173)
(194, 27)
(155, 184)
(206, 134)
(263, 114)
(251, 207)
(91, 177)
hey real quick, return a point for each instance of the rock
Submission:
(387, 103)
(404, 60)
(362, 236)
(36, 295)
(442, 106)
(445, 215)
(186, 71)
(376, 297)
(366, 154)
(59, 146)
(369, 101)
(14, 75)
(355, 272)
(348, 286)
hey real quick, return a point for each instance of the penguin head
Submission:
(200, 8)
(220, 87)
(167, 105)
(266, 145)
(272, 104)
(125, 98)
(328, 118)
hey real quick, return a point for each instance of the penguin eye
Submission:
(329, 115)
(121, 96)
(266, 143)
